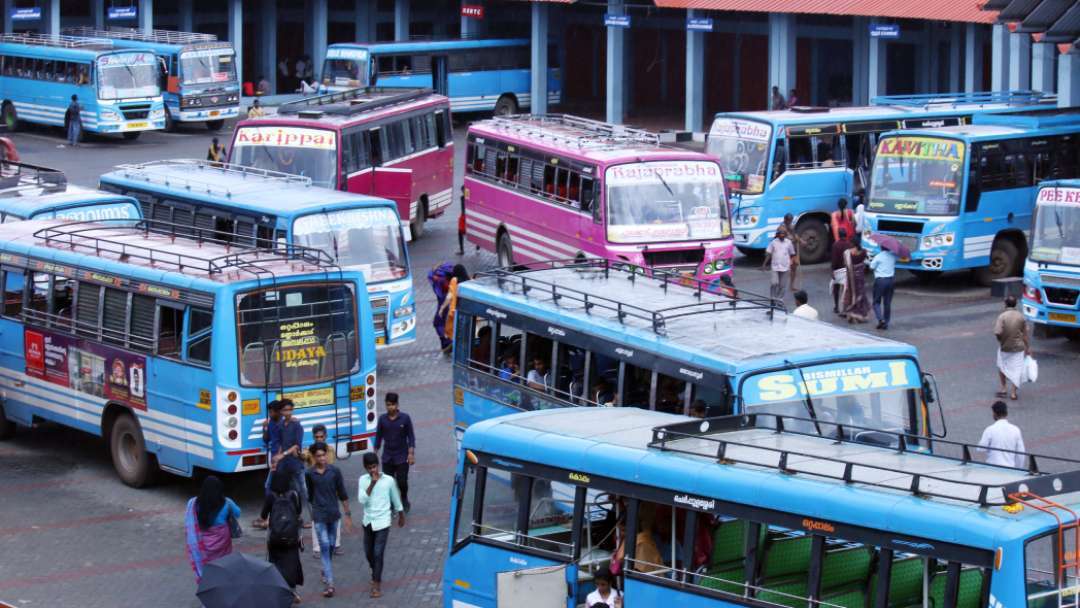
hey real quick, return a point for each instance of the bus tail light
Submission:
(228, 417)
(357, 446)
(253, 460)
(1033, 294)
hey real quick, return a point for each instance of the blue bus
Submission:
(745, 511)
(1052, 270)
(599, 333)
(30, 192)
(117, 88)
(171, 348)
(477, 75)
(962, 197)
(803, 160)
(263, 208)
(199, 70)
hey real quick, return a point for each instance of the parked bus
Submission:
(477, 75)
(1052, 272)
(962, 197)
(29, 192)
(117, 88)
(170, 348)
(199, 72)
(393, 143)
(262, 208)
(559, 186)
(744, 511)
(597, 333)
(803, 160)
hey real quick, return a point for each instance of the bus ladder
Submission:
(341, 419)
(1068, 567)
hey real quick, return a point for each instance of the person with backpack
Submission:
(73, 121)
(326, 487)
(283, 539)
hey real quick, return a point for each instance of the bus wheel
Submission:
(7, 427)
(11, 120)
(1004, 257)
(506, 106)
(417, 225)
(132, 462)
(505, 251)
(170, 124)
(813, 241)
(215, 125)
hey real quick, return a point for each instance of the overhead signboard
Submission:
(473, 11)
(611, 20)
(26, 14)
(699, 24)
(884, 30)
(123, 12)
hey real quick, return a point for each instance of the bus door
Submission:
(439, 75)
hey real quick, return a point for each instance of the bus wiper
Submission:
(807, 401)
(1057, 219)
(661, 178)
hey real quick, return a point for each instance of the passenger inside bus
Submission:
(539, 378)
(602, 392)
(481, 348)
(509, 370)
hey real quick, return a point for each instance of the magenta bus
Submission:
(557, 186)
(393, 143)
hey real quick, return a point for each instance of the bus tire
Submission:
(131, 135)
(506, 105)
(504, 251)
(215, 125)
(417, 225)
(7, 427)
(1004, 262)
(170, 124)
(813, 241)
(132, 462)
(11, 119)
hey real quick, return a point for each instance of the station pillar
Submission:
(695, 76)
(999, 57)
(876, 73)
(470, 27)
(364, 21)
(781, 53)
(616, 67)
(973, 59)
(145, 15)
(401, 19)
(320, 17)
(52, 17)
(1019, 62)
(1068, 88)
(1042, 67)
(860, 50)
(268, 41)
(236, 35)
(7, 5)
(97, 13)
(956, 64)
(538, 51)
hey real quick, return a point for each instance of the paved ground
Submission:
(71, 533)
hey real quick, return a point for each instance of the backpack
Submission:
(284, 526)
(439, 277)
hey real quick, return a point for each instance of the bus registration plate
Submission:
(138, 125)
(1064, 318)
(311, 398)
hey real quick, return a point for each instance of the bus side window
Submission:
(39, 293)
(779, 159)
(715, 399)
(537, 364)
(671, 395)
(143, 310)
(635, 384)
(199, 335)
(568, 376)
(477, 152)
(509, 343)
(500, 165)
(800, 153)
(408, 139)
(170, 330)
(549, 180)
(114, 316)
(480, 349)
(1066, 157)
(435, 135)
(374, 140)
(14, 281)
(61, 301)
(87, 309)
(587, 194)
(512, 169)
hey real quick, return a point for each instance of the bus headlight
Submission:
(745, 220)
(232, 98)
(403, 311)
(157, 113)
(109, 115)
(938, 240)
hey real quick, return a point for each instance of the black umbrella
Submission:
(242, 581)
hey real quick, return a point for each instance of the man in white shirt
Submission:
(538, 377)
(802, 308)
(778, 256)
(1003, 435)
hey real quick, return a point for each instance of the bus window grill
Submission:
(583, 133)
(355, 101)
(150, 172)
(729, 435)
(127, 33)
(520, 281)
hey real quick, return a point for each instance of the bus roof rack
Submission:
(575, 130)
(810, 109)
(128, 33)
(58, 40)
(952, 100)
(81, 235)
(353, 101)
(525, 282)
(16, 177)
(759, 440)
(144, 172)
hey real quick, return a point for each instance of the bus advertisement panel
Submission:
(1052, 271)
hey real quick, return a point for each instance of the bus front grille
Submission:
(678, 257)
(136, 112)
(1061, 295)
(380, 302)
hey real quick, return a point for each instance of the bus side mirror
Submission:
(931, 395)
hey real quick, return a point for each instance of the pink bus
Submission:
(558, 186)
(394, 143)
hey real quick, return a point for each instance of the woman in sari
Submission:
(449, 306)
(206, 525)
(856, 305)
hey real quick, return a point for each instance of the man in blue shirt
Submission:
(288, 457)
(884, 267)
(394, 435)
(271, 437)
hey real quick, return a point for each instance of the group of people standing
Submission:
(382, 492)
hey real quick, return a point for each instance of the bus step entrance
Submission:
(1067, 577)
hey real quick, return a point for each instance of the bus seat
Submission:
(845, 567)
(729, 580)
(786, 556)
(968, 591)
(729, 542)
(905, 582)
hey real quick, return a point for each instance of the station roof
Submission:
(1057, 20)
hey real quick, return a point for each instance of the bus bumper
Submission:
(757, 237)
(130, 126)
(207, 114)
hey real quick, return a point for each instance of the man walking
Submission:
(1010, 329)
(394, 435)
(292, 438)
(378, 494)
(884, 267)
(839, 269)
(318, 435)
(780, 254)
(1002, 435)
(271, 437)
(73, 118)
(326, 487)
(793, 237)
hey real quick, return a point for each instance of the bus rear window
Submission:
(300, 334)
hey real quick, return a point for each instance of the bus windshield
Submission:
(678, 200)
(345, 73)
(208, 66)
(1056, 234)
(917, 175)
(296, 150)
(367, 239)
(742, 146)
(126, 75)
(874, 394)
(297, 334)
